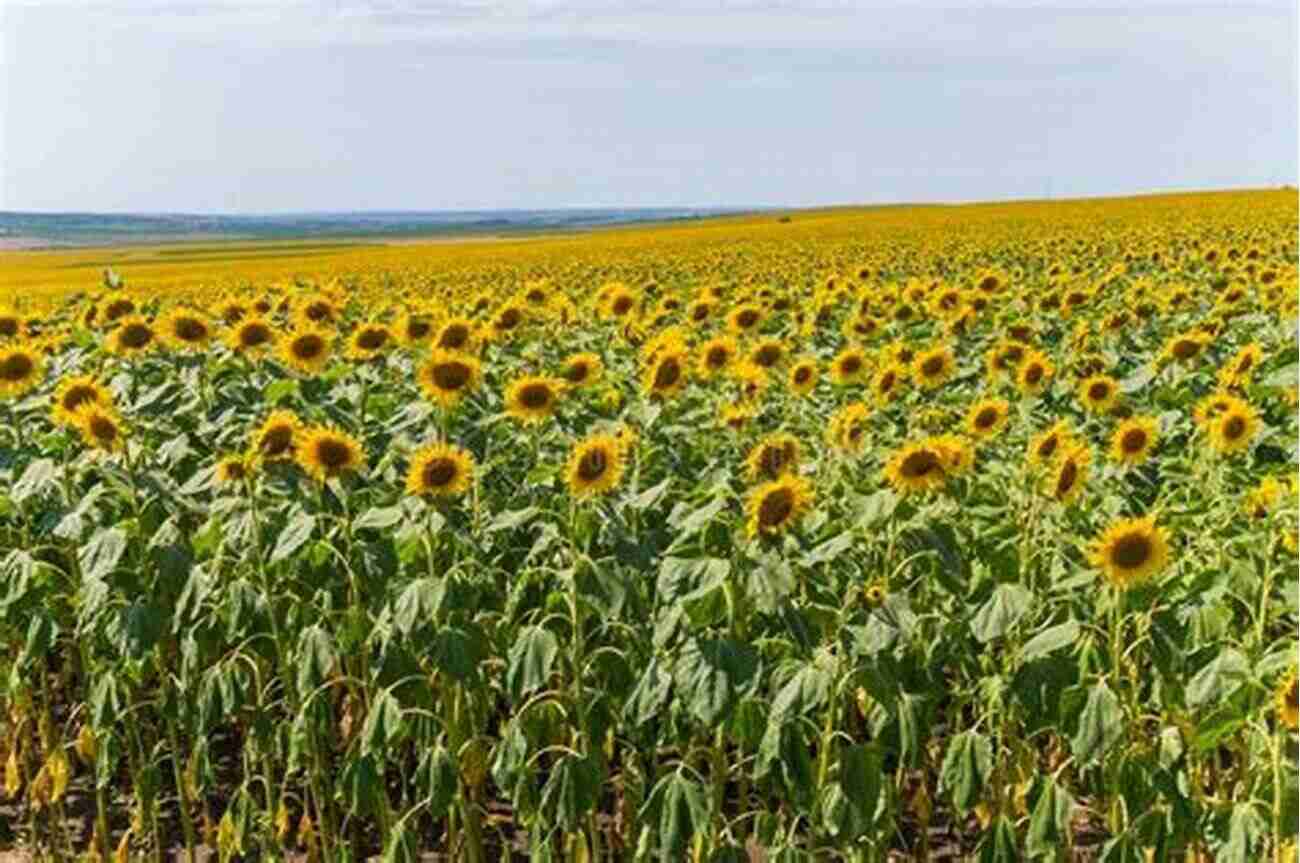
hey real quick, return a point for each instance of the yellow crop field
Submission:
(867, 534)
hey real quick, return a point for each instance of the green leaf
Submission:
(1051, 639)
(295, 533)
(512, 519)
(36, 479)
(711, 673)
(531, 658)
(649, 497)
(383, 727)
(966, 767)
(1006, 606)
(1219, 679)
(316, 658)
(861, 776)
(379, 518)
(1050, 819)
(1100, 724)
(100, 556)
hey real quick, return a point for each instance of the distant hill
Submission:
(25, 230)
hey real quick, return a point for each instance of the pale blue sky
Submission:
(258, 106)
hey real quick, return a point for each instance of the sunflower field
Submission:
(932, 533)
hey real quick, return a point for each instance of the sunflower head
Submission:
(1047, 444)
(75, 392)
(775, 506)
(1099, 393)
(414, 328)
(233, 469)
(918, 467)
(582, 370)
(316, 310)
(457, 334)
(888, 382)
(1035, 373)
(324, 452)
(440, 470)
(987, 417)
(184, 329)
(802, 378)
(735, 415)
(532, 399)
(595, 465)
(1131, 551)
(278, 436)
(666, 375)
(21, 369)
(773, 456)
(932, 367)
(745, 318)
(134, 335)
(305, 350)
(1133, 440)
(101, 428)
(251, 336)
(1070, 473)
(767, 353)
(715, 355)
(1233, 430)
(369, 341)
(849, 366)
(447, 376)
(1287, 700)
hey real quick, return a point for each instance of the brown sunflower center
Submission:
(986, 418)
(189, 329)
(1131, 551)
(1066, 478)
(592, 465)
(1033, 374)
(1293, 696)
(333, 453)
(535, 396)
(438, 473)
(775, 507)
(135, 336)
(667, 373)
(700, 312)
(767, 356)
(8, 327)
(932, 366)
(372, 338)
(450, 376)
(103, 429)
(317, 311)
(747, 318)
(308, 346)
(1133, 441)
(802, 375)
(453, 336)
(417, 329)
(254, 335)
(1099, 391)
(509, 319)
(621, 305)
(716, 357)
(1234, 427)
(16, 367)
(1185, 349)
(276, 440)
(1047, 446)
(119, 309)
(920, 464)
(851, 365)
(577, 371)
(79, 395)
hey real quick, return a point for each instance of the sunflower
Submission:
(1099, 393)
(1004, 358)
(583, 369)
(447, 376)
(1045, 445)
(918, 467)
(666, 375)
(184, 329)
(1212, 405)
(75, 392)
(1287, 700)
(456, 334)
(277, 436)
(232, 310)
(414, 328)
(440, 470)
(735, 415)
(774, 455)
(532, 399)
(133, 336)
(101, 428)
(1184, 347)
(324, 452)
(595, 465)
(252, 335)
(369, 341)
(305, 350)
(316, 310)
(849, 366)
(987, 417)
(776, 505)
(767, 353)
(715, 355)
(1130, 551)
(21, 369)
(888, 382)
(1233, 430)
(699, 310)
(507, 320)
(117, 306)
(744, 318)
(933, 367)
(1263, 498)
(1238, 370)
(232, 469)
(1133, 440)
(618, 302)
(1070, 473)
(1035, 373)
(802, 378)
(10, 324)
(847, 430)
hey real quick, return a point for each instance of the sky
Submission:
(255, 106)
